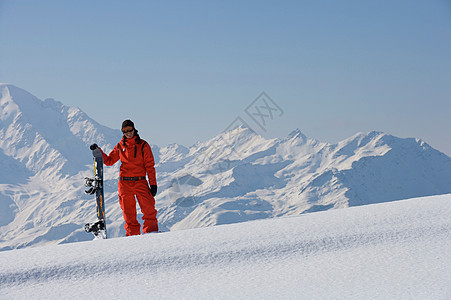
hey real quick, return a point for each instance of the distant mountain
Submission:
(239, 176)
(235, 176)
(47, 136)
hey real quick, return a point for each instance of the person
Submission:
(136, 161)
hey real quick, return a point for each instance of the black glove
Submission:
(153, 190)
(93, 147)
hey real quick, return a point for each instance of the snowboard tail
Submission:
(98, 229)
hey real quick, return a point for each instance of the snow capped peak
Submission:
(239, 132)
(423, 144)
(173, 152)
(41, 134)
(52, 103)
(297, 133)
(367, 141)
(174, 147)
(9, 109)
(20, 96)
(5, 85)
(231, 144)
(364, 137)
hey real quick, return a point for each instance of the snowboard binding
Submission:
(93, 184)
(97, 228)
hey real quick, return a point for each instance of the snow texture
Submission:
(234, 177)
(396, 250)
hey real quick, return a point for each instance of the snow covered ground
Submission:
(395, 250)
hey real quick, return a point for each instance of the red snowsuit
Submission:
(136, 161)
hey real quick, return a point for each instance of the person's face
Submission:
(128, 131)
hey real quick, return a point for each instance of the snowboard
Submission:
(95, 186)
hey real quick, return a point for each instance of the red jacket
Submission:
(136, 159)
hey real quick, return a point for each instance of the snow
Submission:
(236, 176)
(395, 250)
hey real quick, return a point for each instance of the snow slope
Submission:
(236, 176)
(396, 250)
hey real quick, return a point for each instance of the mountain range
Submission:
(234, 177)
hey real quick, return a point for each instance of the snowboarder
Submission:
(136, 161)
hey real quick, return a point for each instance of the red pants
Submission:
(127, 192)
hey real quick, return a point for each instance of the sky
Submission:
(184, 71)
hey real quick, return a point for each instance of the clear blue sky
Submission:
(184, 70)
